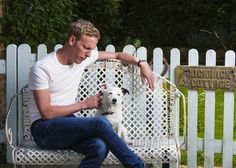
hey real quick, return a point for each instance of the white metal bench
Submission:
(150, 117)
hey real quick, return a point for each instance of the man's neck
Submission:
(63, 57)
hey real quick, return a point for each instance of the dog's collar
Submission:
(107, 113)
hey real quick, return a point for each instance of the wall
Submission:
(2, 79)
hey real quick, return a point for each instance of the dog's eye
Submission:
(110, 93)
(118, 94)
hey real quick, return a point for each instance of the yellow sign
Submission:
(209, 78)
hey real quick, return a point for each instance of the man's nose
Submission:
(87, 54)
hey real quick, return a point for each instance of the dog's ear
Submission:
(124, 91)
(103, 86)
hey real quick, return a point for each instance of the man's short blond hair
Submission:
(83, 27)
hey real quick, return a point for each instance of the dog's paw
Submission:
(129, 142)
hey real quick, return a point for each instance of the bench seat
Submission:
(155, 150)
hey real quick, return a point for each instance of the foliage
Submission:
(179, 23)
(35, 22)
(148, 23)
(104, 14)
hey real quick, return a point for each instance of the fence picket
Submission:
(192, 115)
(130, 49)
(24, 64)
(11, 90)
(41, 51)
(209, 116)
(58, 46)
(142, 53)
(157, 60)
(175, 60)
(110, 48)
(228, 118)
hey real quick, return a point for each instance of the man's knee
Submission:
(99, 147)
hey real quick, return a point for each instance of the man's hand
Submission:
(147, 74)
(145, 70)
(93, 101)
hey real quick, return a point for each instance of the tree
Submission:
(44, 21)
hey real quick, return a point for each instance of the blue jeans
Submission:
(92, 136)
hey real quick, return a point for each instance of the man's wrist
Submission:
(140, 61)
(81, 105)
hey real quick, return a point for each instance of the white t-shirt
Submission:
(61, 80)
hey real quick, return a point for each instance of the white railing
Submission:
(209, 145)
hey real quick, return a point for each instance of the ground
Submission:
(2, 153)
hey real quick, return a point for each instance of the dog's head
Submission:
(112, 95)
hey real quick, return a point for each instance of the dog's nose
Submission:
(114, 100)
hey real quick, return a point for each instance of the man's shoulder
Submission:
(46, 60)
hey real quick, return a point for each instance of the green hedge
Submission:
(150, 23)
(180, 23)
(46, 21)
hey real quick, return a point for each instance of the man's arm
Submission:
(48, 111)
(124, 57)
(145, 70)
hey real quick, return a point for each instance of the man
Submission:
(53, 85)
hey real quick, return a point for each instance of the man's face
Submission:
(83, 48)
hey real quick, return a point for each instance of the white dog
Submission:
(111, 108)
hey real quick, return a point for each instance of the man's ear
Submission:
(72, 40)
(124, 91)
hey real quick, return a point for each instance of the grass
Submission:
(219, 119)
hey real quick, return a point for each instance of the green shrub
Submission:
(45, 21)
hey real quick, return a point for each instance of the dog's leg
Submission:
(119, 130)
(124, 135)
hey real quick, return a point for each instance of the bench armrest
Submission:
(185, 119)
(179, 94)
(8, 131)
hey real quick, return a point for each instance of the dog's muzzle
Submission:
(114, 101)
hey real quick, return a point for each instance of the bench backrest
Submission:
(147, 114)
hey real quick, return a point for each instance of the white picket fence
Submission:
(209, 145)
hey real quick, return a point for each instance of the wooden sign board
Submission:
(206, 77)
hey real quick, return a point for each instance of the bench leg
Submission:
(15, 166)
(175, 165)
(165, 165)
(156, 165)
